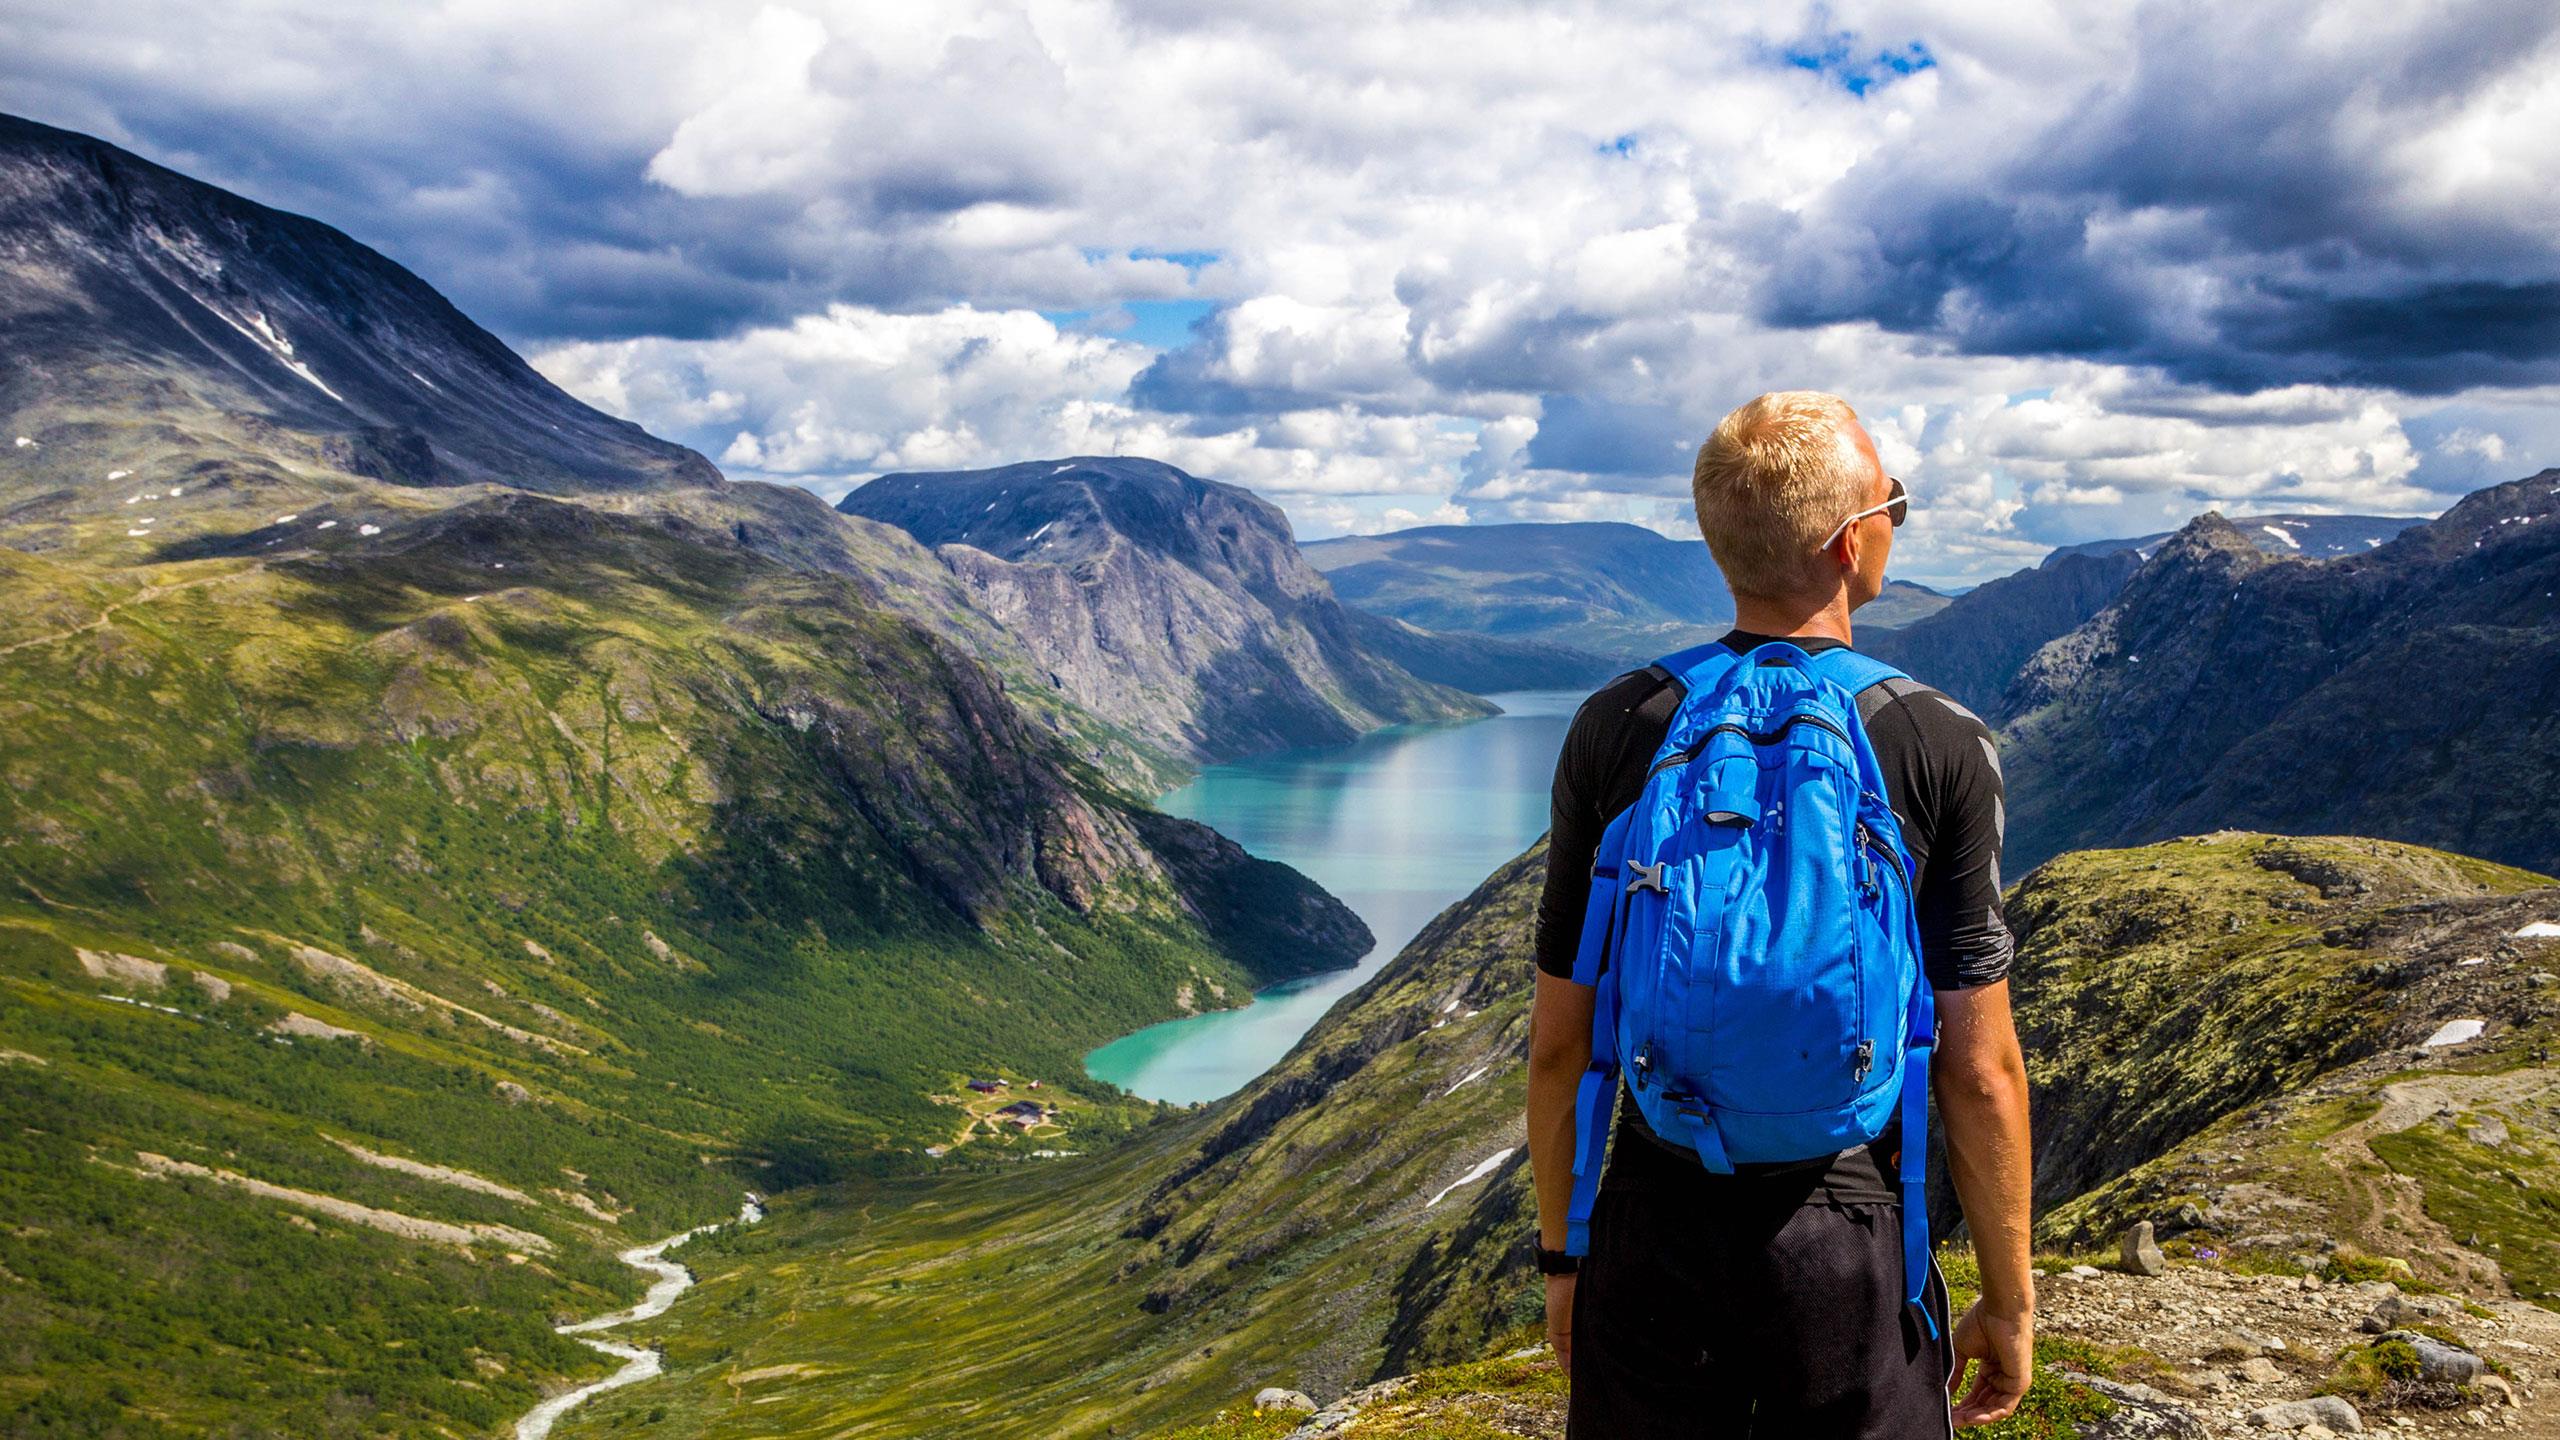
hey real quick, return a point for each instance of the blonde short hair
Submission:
(1772, 482)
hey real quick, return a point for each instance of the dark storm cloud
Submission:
(2229, 211)
(544, 234)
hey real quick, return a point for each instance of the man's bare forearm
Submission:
(1981, 1084)
(1559, 1051)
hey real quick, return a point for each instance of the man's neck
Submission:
(1793, 616)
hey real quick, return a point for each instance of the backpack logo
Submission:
(1760, 961)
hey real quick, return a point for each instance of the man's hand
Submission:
(2003, 1344)
(1560, 1318)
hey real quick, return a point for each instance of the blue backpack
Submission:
(1753, 939)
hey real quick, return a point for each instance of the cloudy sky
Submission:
(2085, 269)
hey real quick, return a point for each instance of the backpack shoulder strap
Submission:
(1852, 671)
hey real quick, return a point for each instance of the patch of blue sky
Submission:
(1840, 57)
(1622, 145)
(1191, 260)
(2021, 397)
(1156, 324)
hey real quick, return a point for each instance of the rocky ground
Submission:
(2195, 1352)
(2249, 1353)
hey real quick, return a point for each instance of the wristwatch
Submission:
(1555, 1262)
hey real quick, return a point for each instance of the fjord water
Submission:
(1397, 824)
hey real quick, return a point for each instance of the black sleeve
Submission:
(1944, 771)
(1590, 770)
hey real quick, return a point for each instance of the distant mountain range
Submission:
(1619, 592)
(2312, 537)
(1175, 607)
(1623, 594)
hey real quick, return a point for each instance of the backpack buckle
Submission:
(1646, 877)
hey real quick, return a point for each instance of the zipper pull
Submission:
(1866, 1059)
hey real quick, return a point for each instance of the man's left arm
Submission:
(1979, 1077)
(1981, 1085)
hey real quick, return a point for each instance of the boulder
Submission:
(2141, 1253)
(2438, 1361)
(2238, 1344)
(2258, 1370)
(2327, 1411)
(2179, 1221)
(2395, 1310)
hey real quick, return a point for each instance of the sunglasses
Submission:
(1897, 504)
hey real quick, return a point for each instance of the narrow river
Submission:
(638, 1362)
(1397, 824)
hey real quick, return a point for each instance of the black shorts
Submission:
(1719, 1313)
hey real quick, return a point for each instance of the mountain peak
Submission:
(2210, 538)
(1156, 598)
(236, 332)
(1065, 511)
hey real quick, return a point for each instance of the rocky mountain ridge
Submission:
(1973, 648)
(2308, 537)
(2404, 692)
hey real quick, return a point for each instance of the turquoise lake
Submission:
(1398, 824)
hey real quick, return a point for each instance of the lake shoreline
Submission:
(1397, 824)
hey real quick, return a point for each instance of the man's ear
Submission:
(1844, 549)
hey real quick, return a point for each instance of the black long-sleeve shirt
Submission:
(1942, 777)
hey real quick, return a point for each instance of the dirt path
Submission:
(2391, 1202)
(144, 596)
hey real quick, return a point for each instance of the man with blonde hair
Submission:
(1780, 1300)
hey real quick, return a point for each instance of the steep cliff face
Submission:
(2406, 692)
(1176, 607)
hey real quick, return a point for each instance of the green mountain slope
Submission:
(415, 889)
(1357, 1212)
(641, 858)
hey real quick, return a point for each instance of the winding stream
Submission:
(638, 1362)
